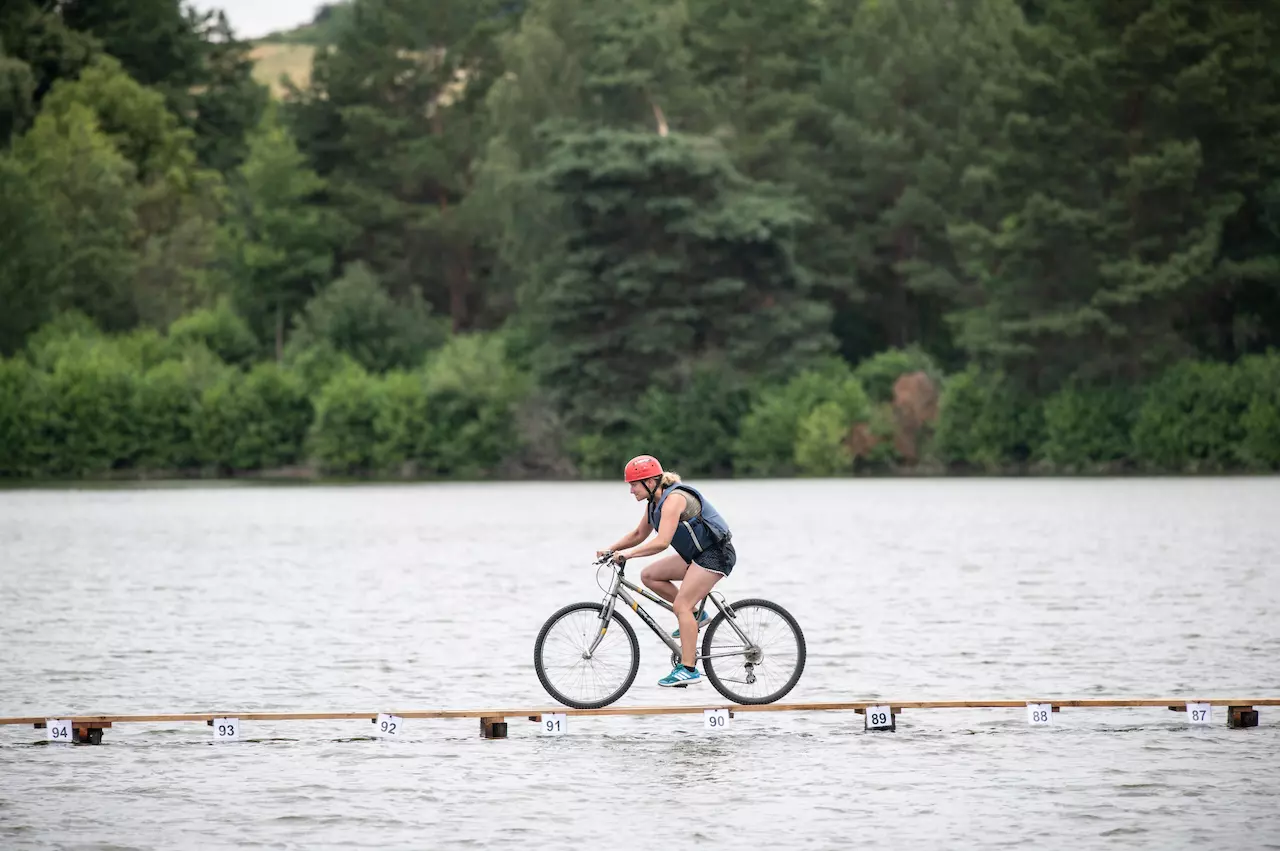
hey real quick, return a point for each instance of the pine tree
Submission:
(1138, 137)
(672, 257)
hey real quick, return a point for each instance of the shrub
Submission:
(821, 447)
(256, 421)
(985, 421)
(221, 330)
(168, 408)
(343, 436)
(402, 428)
(1260, 442)
(879, 372)
(1086, 426)
(86, 414)
(766, 444)
(17, 417)
(472, 394)
(355, 316)
(691, 424)
(1192, 417)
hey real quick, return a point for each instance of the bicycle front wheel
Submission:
(564, 667)
(763, 667)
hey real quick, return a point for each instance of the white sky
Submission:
(256, 18)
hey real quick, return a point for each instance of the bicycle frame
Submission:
(618, 590)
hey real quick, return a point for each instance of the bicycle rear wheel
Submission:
(764, 667)
(559, 656)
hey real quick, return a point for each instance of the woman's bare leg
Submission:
(658, 575)
(698, 582)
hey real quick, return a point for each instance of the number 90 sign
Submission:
(715, 719)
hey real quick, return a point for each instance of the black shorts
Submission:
(721, 558)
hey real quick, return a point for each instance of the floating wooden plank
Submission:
(102, 721)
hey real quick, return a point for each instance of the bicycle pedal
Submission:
(682, 685)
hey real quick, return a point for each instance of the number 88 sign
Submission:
(1039, 713)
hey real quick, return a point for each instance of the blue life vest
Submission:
(692, 536)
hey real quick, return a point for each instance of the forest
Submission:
(494, 239)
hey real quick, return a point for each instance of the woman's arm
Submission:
(635, 536)
(671, 511)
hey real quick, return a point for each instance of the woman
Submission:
(704, 554)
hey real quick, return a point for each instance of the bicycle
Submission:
(582, 664)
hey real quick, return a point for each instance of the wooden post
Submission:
(492, 727)
(90, 735)
(1242, 716)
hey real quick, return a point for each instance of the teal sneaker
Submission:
(703, 621)
(680, 677)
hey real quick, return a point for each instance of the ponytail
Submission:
(669, 478)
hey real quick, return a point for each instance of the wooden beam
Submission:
(103, 721)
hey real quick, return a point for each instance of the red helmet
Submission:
(642, 467)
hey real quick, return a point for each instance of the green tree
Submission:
(909, 100)
(178, 202)
(760, 64)
(355, 316)
(29, 245)
(192, 59)
(1120, 208)
(278, 240)
(391, 121)
(92, 193)
(671, 255)
(37, 48)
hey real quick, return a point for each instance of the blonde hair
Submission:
(669, 478)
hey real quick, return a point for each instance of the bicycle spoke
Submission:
(563, 650)
(768, 633)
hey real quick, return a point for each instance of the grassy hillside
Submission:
(323, 29)
(273, 60)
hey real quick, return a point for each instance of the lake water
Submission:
(377, 598)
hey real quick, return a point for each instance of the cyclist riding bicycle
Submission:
(682, 519)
